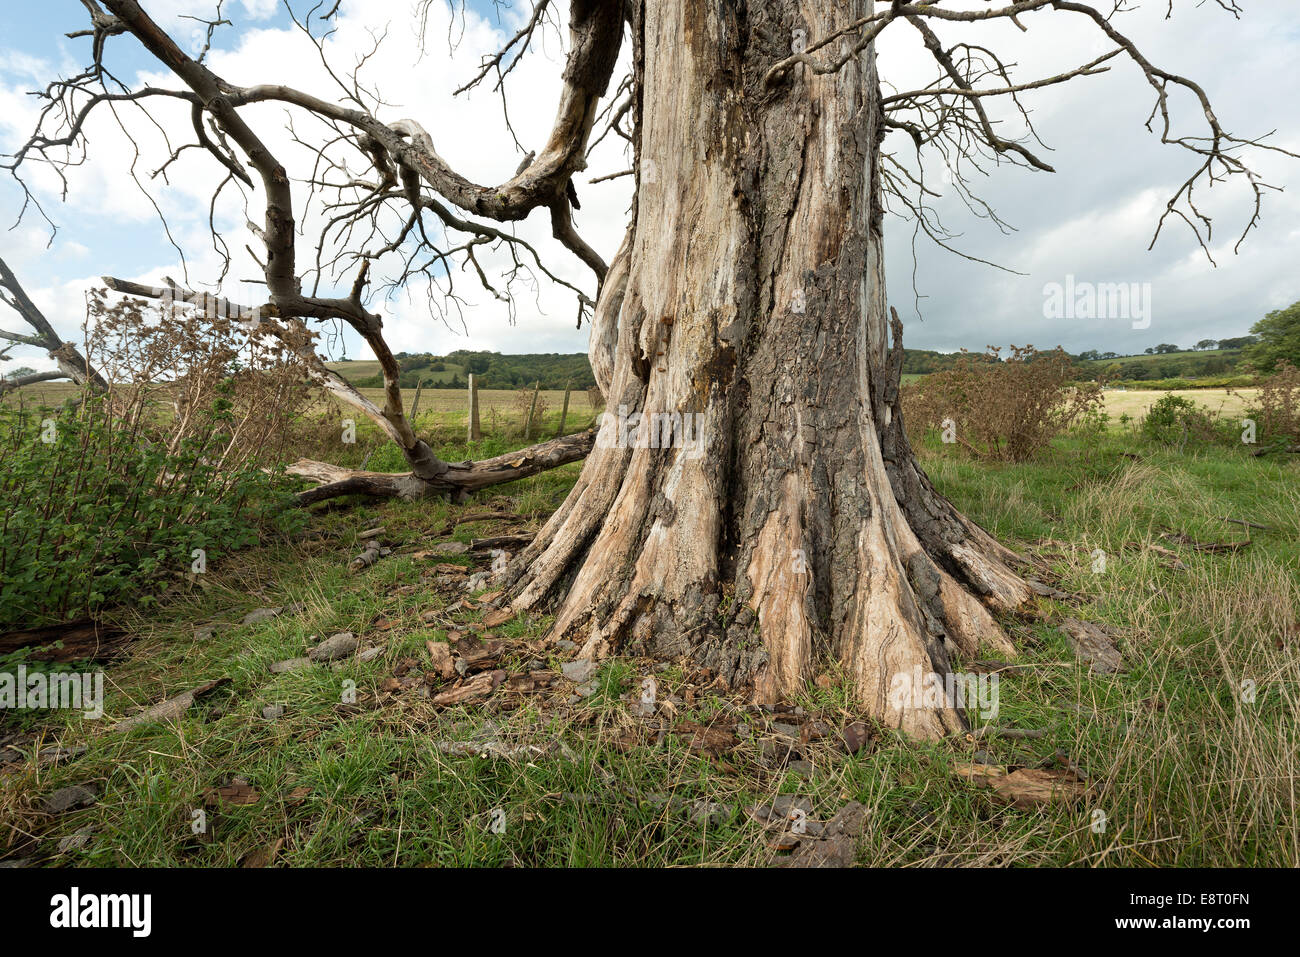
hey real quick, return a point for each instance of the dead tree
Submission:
(785, 522)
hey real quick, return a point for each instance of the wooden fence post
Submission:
(532, 410)
(564, 412)
(415, 403)
(474, 432)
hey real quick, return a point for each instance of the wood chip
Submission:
(498, 617)
(440, 654)
(472, 689)
(1026, 787)
(237, 793)
(1032, 787)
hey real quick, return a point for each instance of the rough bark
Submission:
(799, 530)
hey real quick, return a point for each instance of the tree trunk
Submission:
(795, 529)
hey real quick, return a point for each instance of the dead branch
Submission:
(72, 365)
(459, 479)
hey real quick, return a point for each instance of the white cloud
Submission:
(1093, 218)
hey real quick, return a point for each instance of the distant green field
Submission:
(1174, 363)
(1168, 355)
(355, 368)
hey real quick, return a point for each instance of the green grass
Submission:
(1185, 772)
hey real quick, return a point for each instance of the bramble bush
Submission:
(96, 512)
(1278, 412)
(1176, 420)
(106, 499)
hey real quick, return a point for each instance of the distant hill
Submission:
(493, 369)
(1171, 365)
(1181, 364)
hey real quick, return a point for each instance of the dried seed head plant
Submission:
(170, 368)
(1003, 409)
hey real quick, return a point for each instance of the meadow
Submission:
(1187, 755)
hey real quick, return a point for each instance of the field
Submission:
(1133, 402)
(353, 763)
(431, 400)
(504, 401)
(1136, 402)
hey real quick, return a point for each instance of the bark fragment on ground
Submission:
(1093, 646)
(1026, 787)
(171, 708)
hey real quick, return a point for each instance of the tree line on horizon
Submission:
(1274, 338)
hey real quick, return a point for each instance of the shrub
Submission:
(105, 499)
(1008, 410)
(1175, 419)
(1278, 412)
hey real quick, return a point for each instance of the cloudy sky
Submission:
(1092, 220)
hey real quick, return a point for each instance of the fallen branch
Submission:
(372, 553)
(1210, 547)
(171, 708)
(458, 480)
(17, 382)
(74, 641)
(1238, 521)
